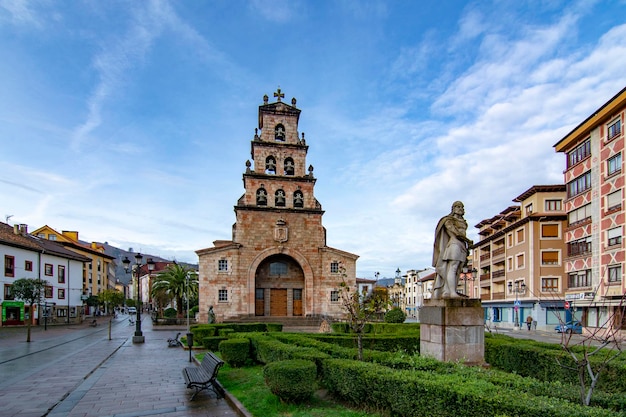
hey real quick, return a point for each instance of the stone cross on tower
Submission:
(279, 95)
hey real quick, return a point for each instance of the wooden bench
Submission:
(204, 376)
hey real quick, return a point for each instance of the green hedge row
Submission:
(379, 328)
(539, 360)
(419, 393)
(201, 331)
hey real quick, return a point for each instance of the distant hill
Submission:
(119, 254)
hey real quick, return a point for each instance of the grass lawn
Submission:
(247, 385)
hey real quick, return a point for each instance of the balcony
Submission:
(498, 274)
(485, 257)
(498, 296)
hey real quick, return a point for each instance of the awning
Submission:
(552, 304)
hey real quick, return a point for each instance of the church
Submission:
(277, 263)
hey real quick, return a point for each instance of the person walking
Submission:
(529, 322)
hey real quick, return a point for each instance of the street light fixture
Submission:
(518, 289)
(138, 337)
(467, 275)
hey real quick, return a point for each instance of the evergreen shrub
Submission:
(395, 315)
(293, 381)
(170, 312)
(212, 343)
(235, 352)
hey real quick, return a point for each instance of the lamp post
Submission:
(517, 289)
(138, 337)
(467, 275)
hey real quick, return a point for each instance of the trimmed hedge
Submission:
(235, 352)
(293, 380)
(419, 393)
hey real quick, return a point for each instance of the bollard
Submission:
(190, 343)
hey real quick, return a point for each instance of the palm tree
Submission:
(173, 282)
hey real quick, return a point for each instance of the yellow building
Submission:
(99, 274)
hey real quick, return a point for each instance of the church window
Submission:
(334, 296)
(278, 268)
(279, 198)
(298, 199)
(289, 166)
(222, 295)
(222, 265)
(261, 197)
(270, 165)
(334, 267)
(279, 132)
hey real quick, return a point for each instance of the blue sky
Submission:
(131, 121)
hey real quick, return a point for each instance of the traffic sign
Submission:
(567, 305)
(517, 303)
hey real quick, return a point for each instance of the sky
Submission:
(130, 121)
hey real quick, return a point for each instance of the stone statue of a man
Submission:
(450, 252)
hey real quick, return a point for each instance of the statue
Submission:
(450, 252)
(211, 315)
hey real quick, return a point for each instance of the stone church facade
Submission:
(277, 263)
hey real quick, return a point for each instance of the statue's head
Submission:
(458, 208)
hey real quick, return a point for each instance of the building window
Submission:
(614, 129)
(614, 164)
(509, 264)
(550, 257)
(579, 279)
(334, 267)
(62, 312)
(7, 292)
(553, 205)
(28, 265)
(579, 247)
(61, 274)
(519, 259)
(510, 240)
(549, 230)
(550, 284)
(614, 236)
(270, 165)
(52, 237)
(298, 199)
(222, 265)
(579, 185)
(279, 198)
(41, 235)
(520, 236)
(9, 266)
(48, 270)
(61, 293)
(529, 209)
(222, 295)
(614, 200)
(579, 153)
(289, 166)
(261, 197)
(48, 291)
(580, 215)
(615, 273)
(334, 296)
(278, 268)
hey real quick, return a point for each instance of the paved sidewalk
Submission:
(131, 380)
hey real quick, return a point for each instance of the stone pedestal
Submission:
(453, 330)
(139, 339)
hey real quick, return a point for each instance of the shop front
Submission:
(13, 313)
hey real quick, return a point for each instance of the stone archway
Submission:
(279, 284)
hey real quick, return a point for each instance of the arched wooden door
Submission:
(279, 286)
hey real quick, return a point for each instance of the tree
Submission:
(359, 308)
(591, 353)
(173, 281)
(29, 290)
(111, 297)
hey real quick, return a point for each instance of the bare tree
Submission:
(359, 308)
(594, 350)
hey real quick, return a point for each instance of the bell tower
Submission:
(277, 263)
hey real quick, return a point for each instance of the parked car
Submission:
(132, 310)
(569, 327)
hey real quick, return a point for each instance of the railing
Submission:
(485, 257)
(498, 274)
(498, 295)
(497, 252)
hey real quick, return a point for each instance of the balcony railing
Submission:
(497, 252)
(498, 274)
(485, 257)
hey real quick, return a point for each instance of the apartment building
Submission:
(594, 175)
(26, 256)
(98, 274)
(520, 260)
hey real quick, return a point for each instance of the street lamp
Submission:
(467, 275)
(518, 289)
(138, 337)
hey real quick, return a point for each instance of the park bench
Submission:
(204, 376)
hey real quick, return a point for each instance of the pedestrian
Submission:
(529, 322)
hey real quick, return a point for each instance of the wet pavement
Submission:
(81, 371)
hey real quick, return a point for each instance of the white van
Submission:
(132, 310)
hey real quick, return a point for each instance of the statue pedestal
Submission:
(453, 330)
